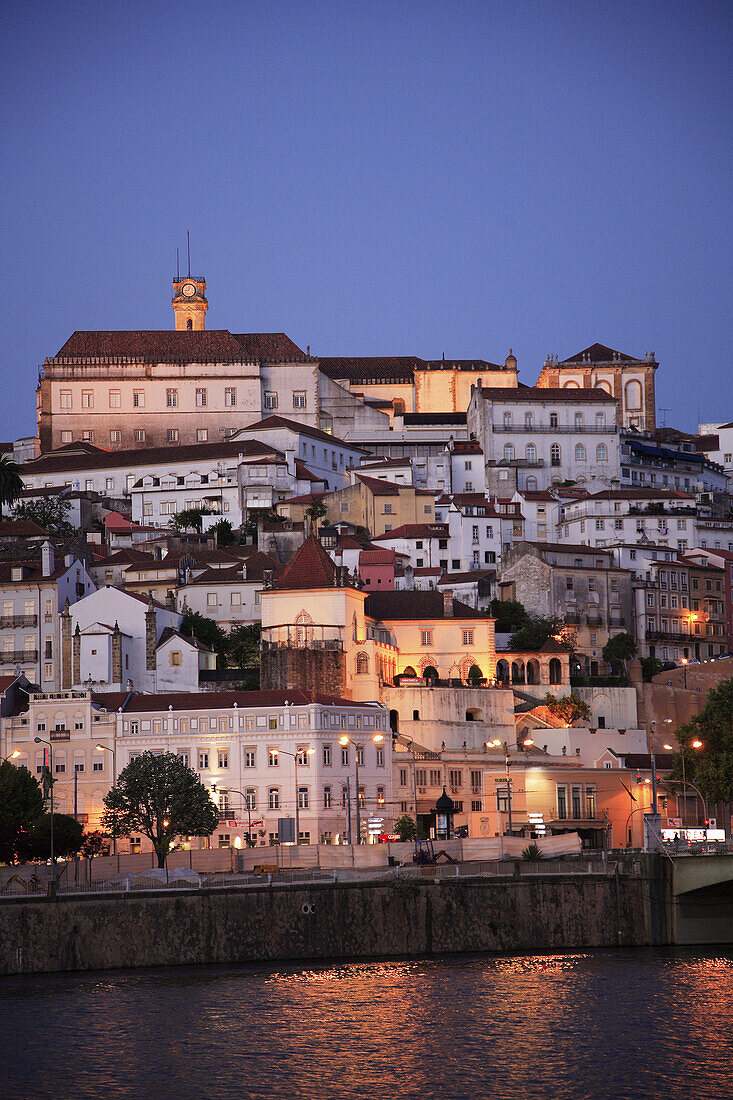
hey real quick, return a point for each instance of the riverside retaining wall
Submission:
(278, 923)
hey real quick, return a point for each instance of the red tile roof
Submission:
(62, 461)
(599, 353)
(271, 422)
(536, 393)
(415, 531)
(372, 368)
(379, 488)
(215, 700)
(170, 346)
(311, 567)
(302, 472)
(415, 605)
(377, 557)
(21, 528)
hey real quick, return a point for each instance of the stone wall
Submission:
(527, 912)
(283, 669)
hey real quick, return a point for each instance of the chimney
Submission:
(267, 577)
(151, 635)
(47, 558)
(448, 603)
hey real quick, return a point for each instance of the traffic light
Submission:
(638, 777)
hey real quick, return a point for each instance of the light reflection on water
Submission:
(548, 1027)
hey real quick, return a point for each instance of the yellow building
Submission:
(379, 506)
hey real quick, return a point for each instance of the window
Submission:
(601, 453)
(380, 757)
(87, 399)
(203, 761)
(230, 397)
(202, 435)
(171, 399)
(530, 452)
(201, 398)
(172, 435)
(115, 399)
(345, 756)
(250, 758)
(578, 421)
(138, 399)
(273, 798)
(553, 420)
(508, 452)
(66, 437)
(270, 399)
(303, 798)
(327, 798)
(507, 420)
(273, 758)
(555, 454)
(223, 758)
(468, 637)
(175, 658)
(87, 436)
(426, 637)
(299, 399)
(362, 664)
(65, 399)
(579, 452)
(212, 599)
(272, 721)
(562, 802)
(139, 435)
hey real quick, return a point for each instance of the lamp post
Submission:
(497, 743)
(695, 745)
(43, 741)
(346, 740)
(294, 756)
(104, 748)
(684, 672)
(653, 723)
(411, 750)
(13, 756)
(245, 798)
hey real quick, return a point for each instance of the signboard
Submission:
(286, 830)
(388, 838)
(674, 822)
(234, 824)
(409, 680)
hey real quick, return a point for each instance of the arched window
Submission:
(579, 452)
(555, 671)
(507, 420)
(570, 385)
(362, 664)
(604, 385)
(508, 452)
(555, 454)
(601, 453)
(303, 629)
(531, 484)
(189, 324)
(633, 394)
(530, 452)
(528, 420)
(578, 421)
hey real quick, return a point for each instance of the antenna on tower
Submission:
(664, 416)
(178, 265)
(188, 245)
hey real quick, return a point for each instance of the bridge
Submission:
(702, 899)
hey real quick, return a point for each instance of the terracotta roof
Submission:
(170, 346)
(537, 393)
(302, 472)
(385, 462)
(465, 578)
(6, 682)
(126, 556)
(599, 353)
(434, 419)
(427, 571)
(304, 498)
(372, 368)
(415, 605)
(21, 528)
(311, 567)
(380, 488)
(62, 461)
(567, 548)
(415, 531)
(377, 557)
(271, 422)
(255, 565)
(171, 632)
(215, 700)
(641, 494)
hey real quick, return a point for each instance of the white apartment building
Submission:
(231, 597)
(540, 510)
(479, 530)
(253, 750)
(32, 594)
(664, 517)
(326, 456)
(542, 437)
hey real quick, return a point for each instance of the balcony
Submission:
(18, 657)
(303, 636)
(7, 621)
(59, 735)
(563, 429)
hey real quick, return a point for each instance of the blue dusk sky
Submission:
(382, 178)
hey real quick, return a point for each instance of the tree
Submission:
(405, 827)
(711, 767)
(224, 533)
(510, 615)
(619, 650)
(21, 802)
(316, 511)
(190, 519)
(569, 707)
(68, 836)
(650, 667)
(535, 632)
(161, 797)
(11, 483)
(243, 645)
(94, 844)
(51, 512)
(194, 624)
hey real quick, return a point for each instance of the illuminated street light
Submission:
(13, 756)
(105, 748)
(294, 756)
(346, 740)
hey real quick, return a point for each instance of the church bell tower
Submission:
(189, 303)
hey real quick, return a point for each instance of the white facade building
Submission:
(663, 517)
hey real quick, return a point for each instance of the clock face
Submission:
(189, 290)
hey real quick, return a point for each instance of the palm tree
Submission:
(11, 483)
(316, 511)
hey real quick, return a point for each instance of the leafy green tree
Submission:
(68, 837)
(618, 651)
(161, 797)
(570, 708)
(650, 667)
(711, 767)
(535, 632)
(510, 615)
(51, 512)
(11, 483)
(94, 844)
(243, 645)
(21, 802)
(190, 519)
(224, 533)
(208, 631)
(405, 827)
(316, 511)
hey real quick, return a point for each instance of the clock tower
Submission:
(189, 303)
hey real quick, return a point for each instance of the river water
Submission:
(616, 1024)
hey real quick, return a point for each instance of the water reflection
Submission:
(596, 1025)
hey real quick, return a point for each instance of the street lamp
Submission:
(104, 748)
(43, 741)
(694, 745)
(667, 722)
(245, 798)
(346, 740)
(684, 672)
(294, 755)
(13, 756)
